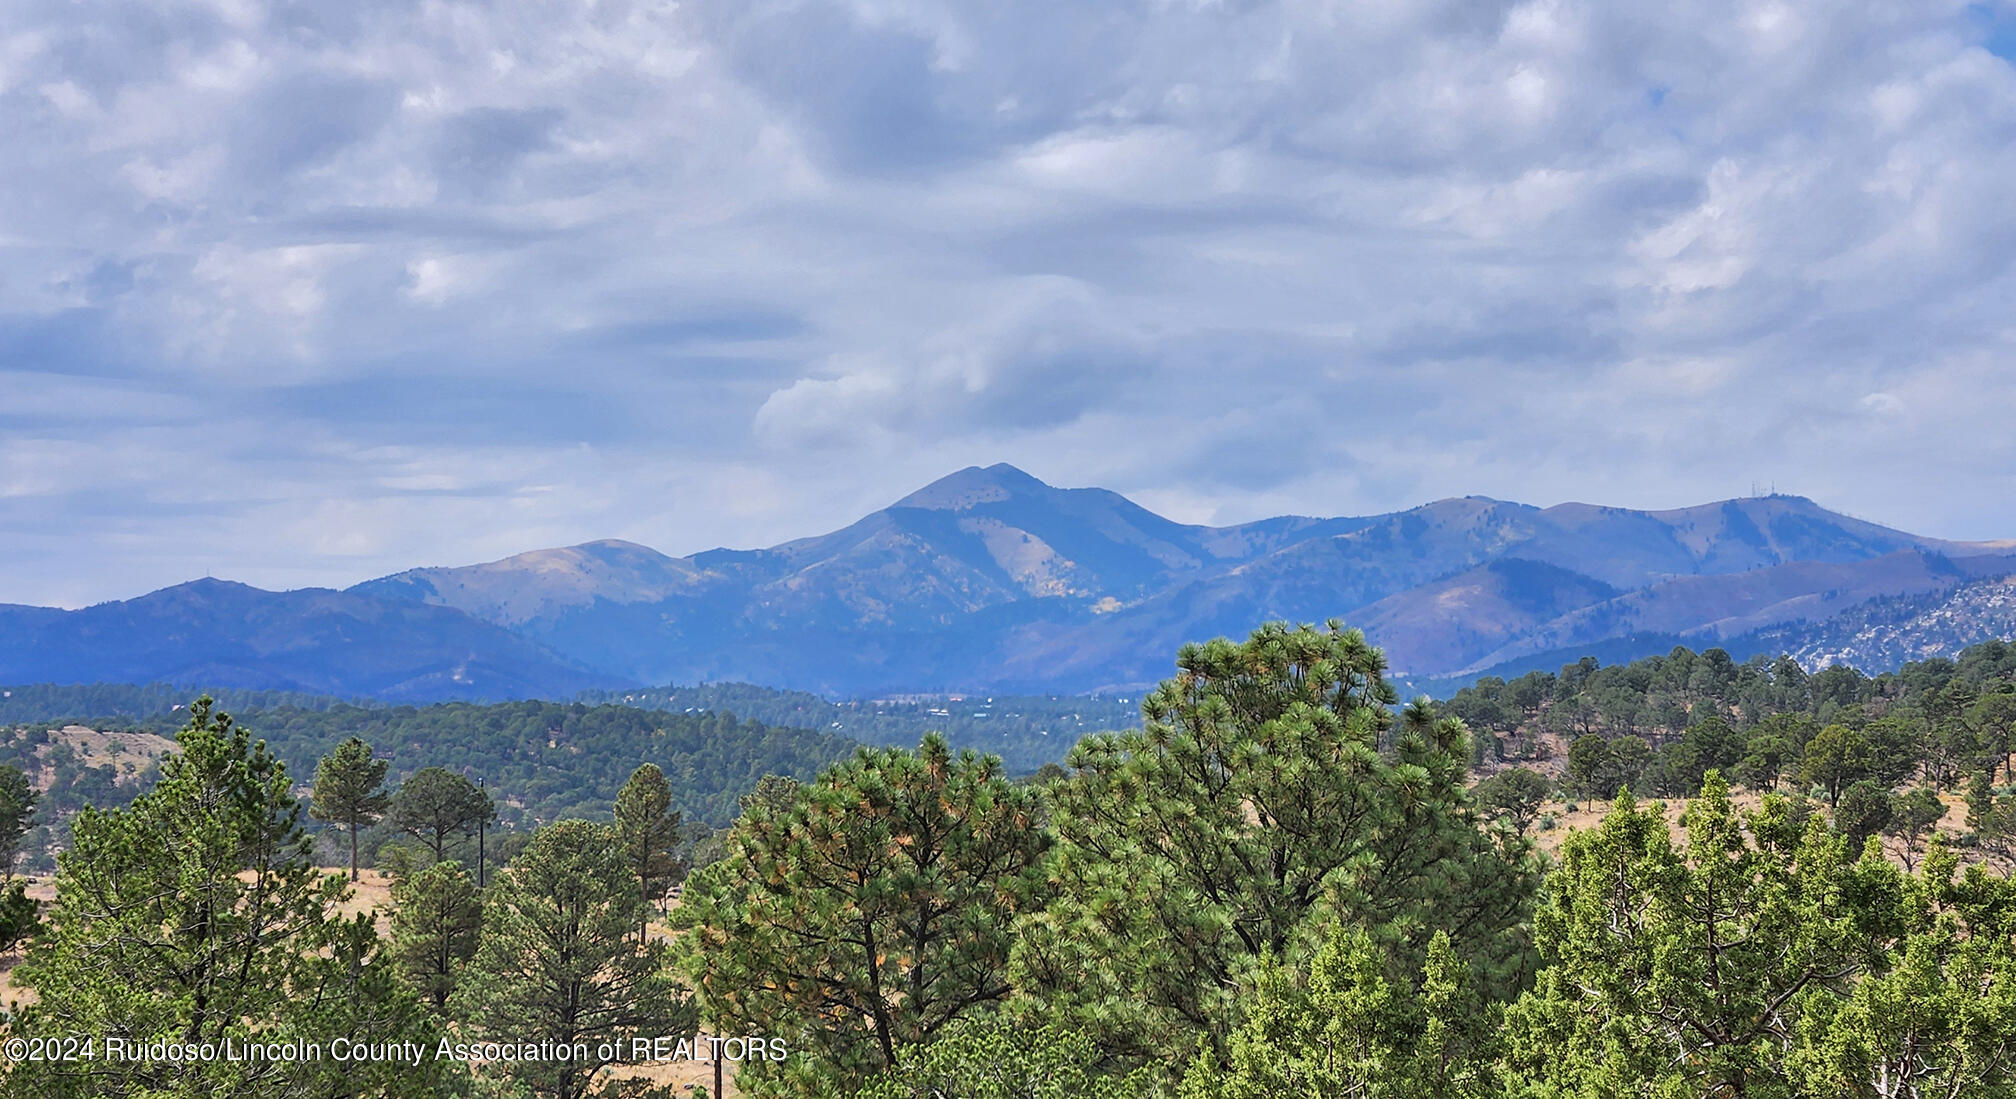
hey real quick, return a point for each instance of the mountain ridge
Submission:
(990, 579)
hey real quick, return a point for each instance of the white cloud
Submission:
(776, 262)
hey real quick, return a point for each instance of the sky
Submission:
(302, 293)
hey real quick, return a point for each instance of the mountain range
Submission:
(990, 579)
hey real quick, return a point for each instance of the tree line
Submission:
(1282, 884)
(548, 760)
(1878, 750)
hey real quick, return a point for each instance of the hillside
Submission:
(1025, 731)
(1888, 633)
(311, 640)
(992, 580)
(547, 760)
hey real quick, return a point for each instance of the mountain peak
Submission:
(973, 485)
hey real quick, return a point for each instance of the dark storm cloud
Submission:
(305, 291)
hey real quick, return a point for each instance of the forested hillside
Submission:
(1285, 883)
(1658, 725)
(541, 760)
(1026, 731)
(36, 703)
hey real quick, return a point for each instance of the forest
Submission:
(546, 760)
(1284, 883)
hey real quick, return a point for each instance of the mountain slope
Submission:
(1888, 633)
(1712, 609)
(990, 579)
(314, 639)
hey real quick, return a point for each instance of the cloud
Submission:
(1045, 355)
(309, 290)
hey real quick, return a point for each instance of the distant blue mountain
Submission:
(313, 640)
(989, 579)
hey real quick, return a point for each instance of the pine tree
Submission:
(1836, 758)
(437, 914)
(868, 912)
(1917, 813)
(1513, 795)
(647, 828)
(1937, 1014)
(1253, 809)
(350, 791)
(17, 813)
(436, 804)
(1341, 1028)
(997, 1059)
(1688, 971)
(195, 916)
(556, 961)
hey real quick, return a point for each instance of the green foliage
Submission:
(1256, 808)
(195, 916)
(556, 759)
(1866, 810)
(437, 914)
(1344, 1029)
(1913, 815)
(868, 912)
(19, 916)
(1837, 758)
(1991, 818)
(61, 703)
(1513, 795)
(1026, 731)
(437, 805)
(350, 791)
(557, 962)
(1936, 1015)
(1764, 959)
(994, 1059)
(1658, 724)
(559, 760)
(647, 829)
(17, 812)
(775, 793)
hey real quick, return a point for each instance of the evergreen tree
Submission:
(1253, 809)
(1836, 758)
(773, 792)
(17, 813)
(1688, 972)
(195, 916)
(1590, 766)
(556, 962)
(1916, 813)
(1513, 795)
(350, 791)
(436, 805)
(1936, 1014)
(647, 828)
(20, 916)
(1866, 810)
(1343, 1029)
(868, 912)
(997, 1059)
(437, 914)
